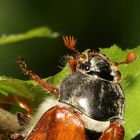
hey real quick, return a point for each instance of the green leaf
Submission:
(130, 83)
(37, 32)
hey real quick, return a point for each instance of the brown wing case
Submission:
(58, 124)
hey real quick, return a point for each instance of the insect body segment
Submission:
(91, 98)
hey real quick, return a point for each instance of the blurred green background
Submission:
(95, 24)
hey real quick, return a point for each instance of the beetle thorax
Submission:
(98, 99)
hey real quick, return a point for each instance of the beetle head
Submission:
(95, 63)
(98, 65)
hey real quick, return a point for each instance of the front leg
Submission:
(113, 132)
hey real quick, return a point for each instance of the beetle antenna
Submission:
(70, 43)
(129, 58)
(40, 81)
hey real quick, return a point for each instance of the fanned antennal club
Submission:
(129, 58)
(70, 42)
(40, 81)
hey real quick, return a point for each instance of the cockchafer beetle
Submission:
(90, 103)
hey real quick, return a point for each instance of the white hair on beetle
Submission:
(49, 102)
(94, 125)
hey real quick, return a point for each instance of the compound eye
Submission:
(85, 66)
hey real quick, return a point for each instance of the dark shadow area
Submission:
(94, 23)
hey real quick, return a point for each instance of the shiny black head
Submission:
(98, 65)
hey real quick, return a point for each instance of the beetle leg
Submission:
(113, 132)
(40, 81)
